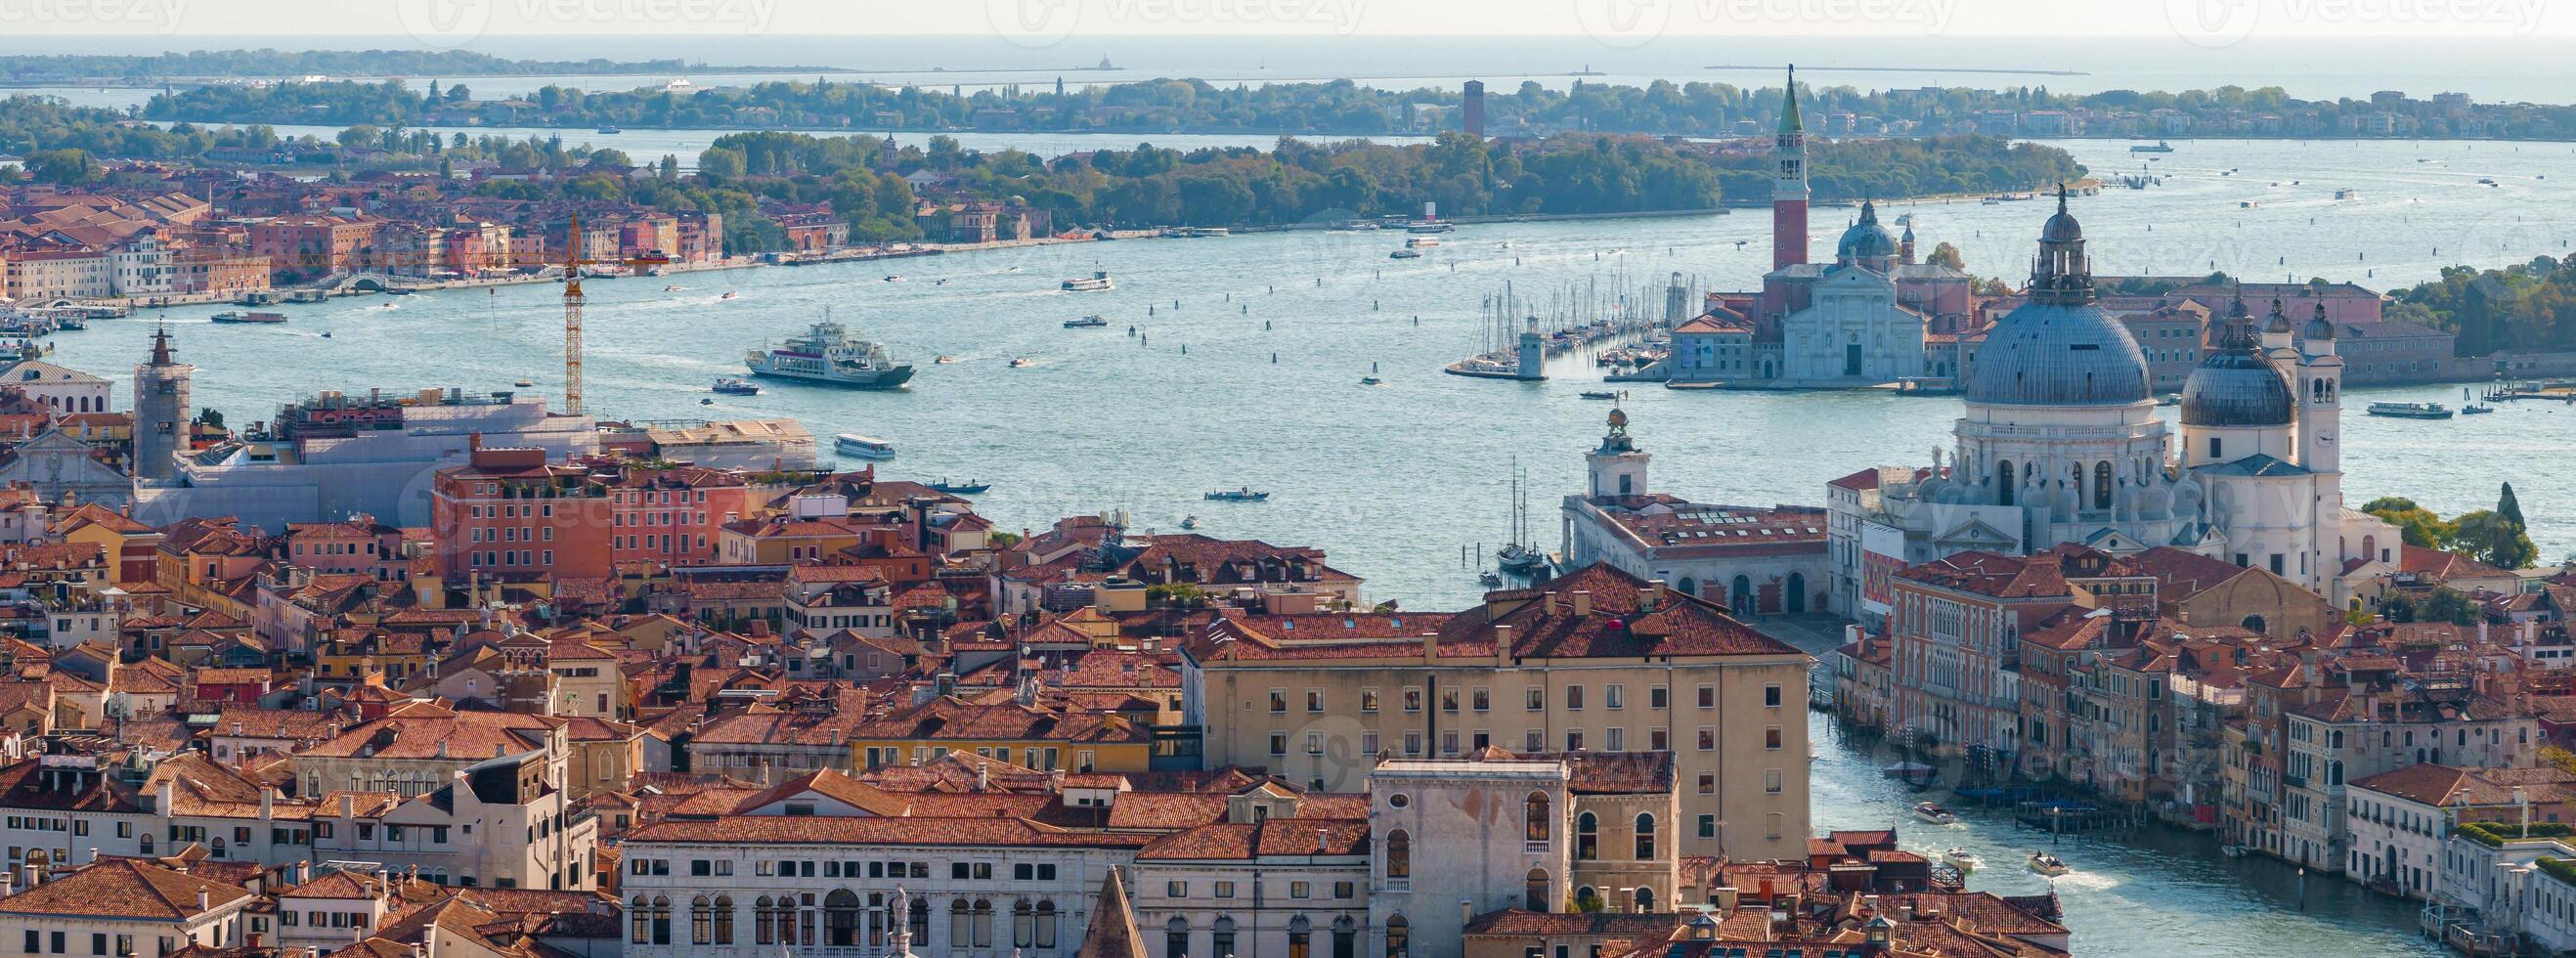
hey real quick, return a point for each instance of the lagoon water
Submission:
(1395, 481)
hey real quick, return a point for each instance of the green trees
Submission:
(2496, 536)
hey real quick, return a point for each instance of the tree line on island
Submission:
(1341, 107)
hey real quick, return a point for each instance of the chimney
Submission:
(267, 802)
(162, 798)
(983, 776)
(1650, 595)
(1502, 645)
(1582, 603)
(1055, 781)
(1430, 647)
(204, 900)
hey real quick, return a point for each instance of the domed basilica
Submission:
(2060, 442)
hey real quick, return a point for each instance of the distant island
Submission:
(1343, 108)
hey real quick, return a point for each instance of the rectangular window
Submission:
(1708, 826)
(1708, 783)
(1314, 700)
(1616, 740)
(1536, 699)
(1574, 740)
(1449, 701)
(1368, 700)
(1176, 889)
(1413, 742)
(1771, 781)
(1225, 889)
(1278, 743)
(1574, 698)
(1614, 696)
(1658, 697)
(1278, 701)
(1368, 742)
(1314, 743)
(1708, 696)
(1707, 738)
(1771, 738)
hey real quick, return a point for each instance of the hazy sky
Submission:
(443, 22)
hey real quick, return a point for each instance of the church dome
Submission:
(2319, 329)
(2236, 386)
(2059, 349)
(1865, 239)
(2053, 354)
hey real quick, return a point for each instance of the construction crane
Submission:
(573, 302)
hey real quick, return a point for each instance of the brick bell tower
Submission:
(1789, 184)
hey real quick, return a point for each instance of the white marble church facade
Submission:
(2060, 442)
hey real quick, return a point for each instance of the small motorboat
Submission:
(326, 334)
(1087, 322)
(1371, 381)
(2475, 409)
(1021, 362)
(2047, 864)
(736, 387)
(1934, 813)
(523, 383)
(967, 488)
(705, 401)
(1405, 254)
(944, 360)
(1599, 394)
(240, 316)
(1244, 494)
(896, 278)
(1489, 580)
(1962, 859)
(729, 294)
(1189, 522)
(864, 447)
(2233, 851)
(673, 288)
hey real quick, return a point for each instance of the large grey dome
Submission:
(1865, 239)
(2056, 354)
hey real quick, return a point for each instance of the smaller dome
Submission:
(1865, 239)
(2236, 386)
(2319, 330)
(2278, 324)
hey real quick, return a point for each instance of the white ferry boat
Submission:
(864, 447)
(828, 354)
(1096, 282)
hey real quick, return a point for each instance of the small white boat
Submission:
(2233, 851)
(1021, 362)
(1189, 522)
(729, 295)
(896, 278)
(524, 383)
(864, 447)
(1962, 859)
(944, 360)
(673, 288)
(2047, 864)
(1096, 282)
(1934, 813)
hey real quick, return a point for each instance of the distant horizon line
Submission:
(1074, 38)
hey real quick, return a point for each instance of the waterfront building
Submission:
(1596, 660)
(58, 387)
(497, 517)
(120, 906)
(2061, 443)
(2399, 819)
(337, 455)
(1750, 559)
(47, 273)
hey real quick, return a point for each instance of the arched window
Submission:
(1537, 824)
(2004, 482)
(724, 919)
(762, 932)
(785, 917)
(1645, 899)
(1645, 837)
(983, 923)
(841, 918)
(1743, 598)
(1586, 899)
(1399, 938)
(639, 917)
(2102, 485)
(1587, 837)
(1221, 940)
(661, 919)
(1176, 937)
(961, 928)
(1534, 894)
(1689, 586)
(1023, 924)
(919, 919)
(1046, 923)
(2252, 623)
(1399, 854)
(702, 921)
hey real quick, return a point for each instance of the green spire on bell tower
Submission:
(1789, 105)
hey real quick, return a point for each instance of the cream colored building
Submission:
(1595, 661)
